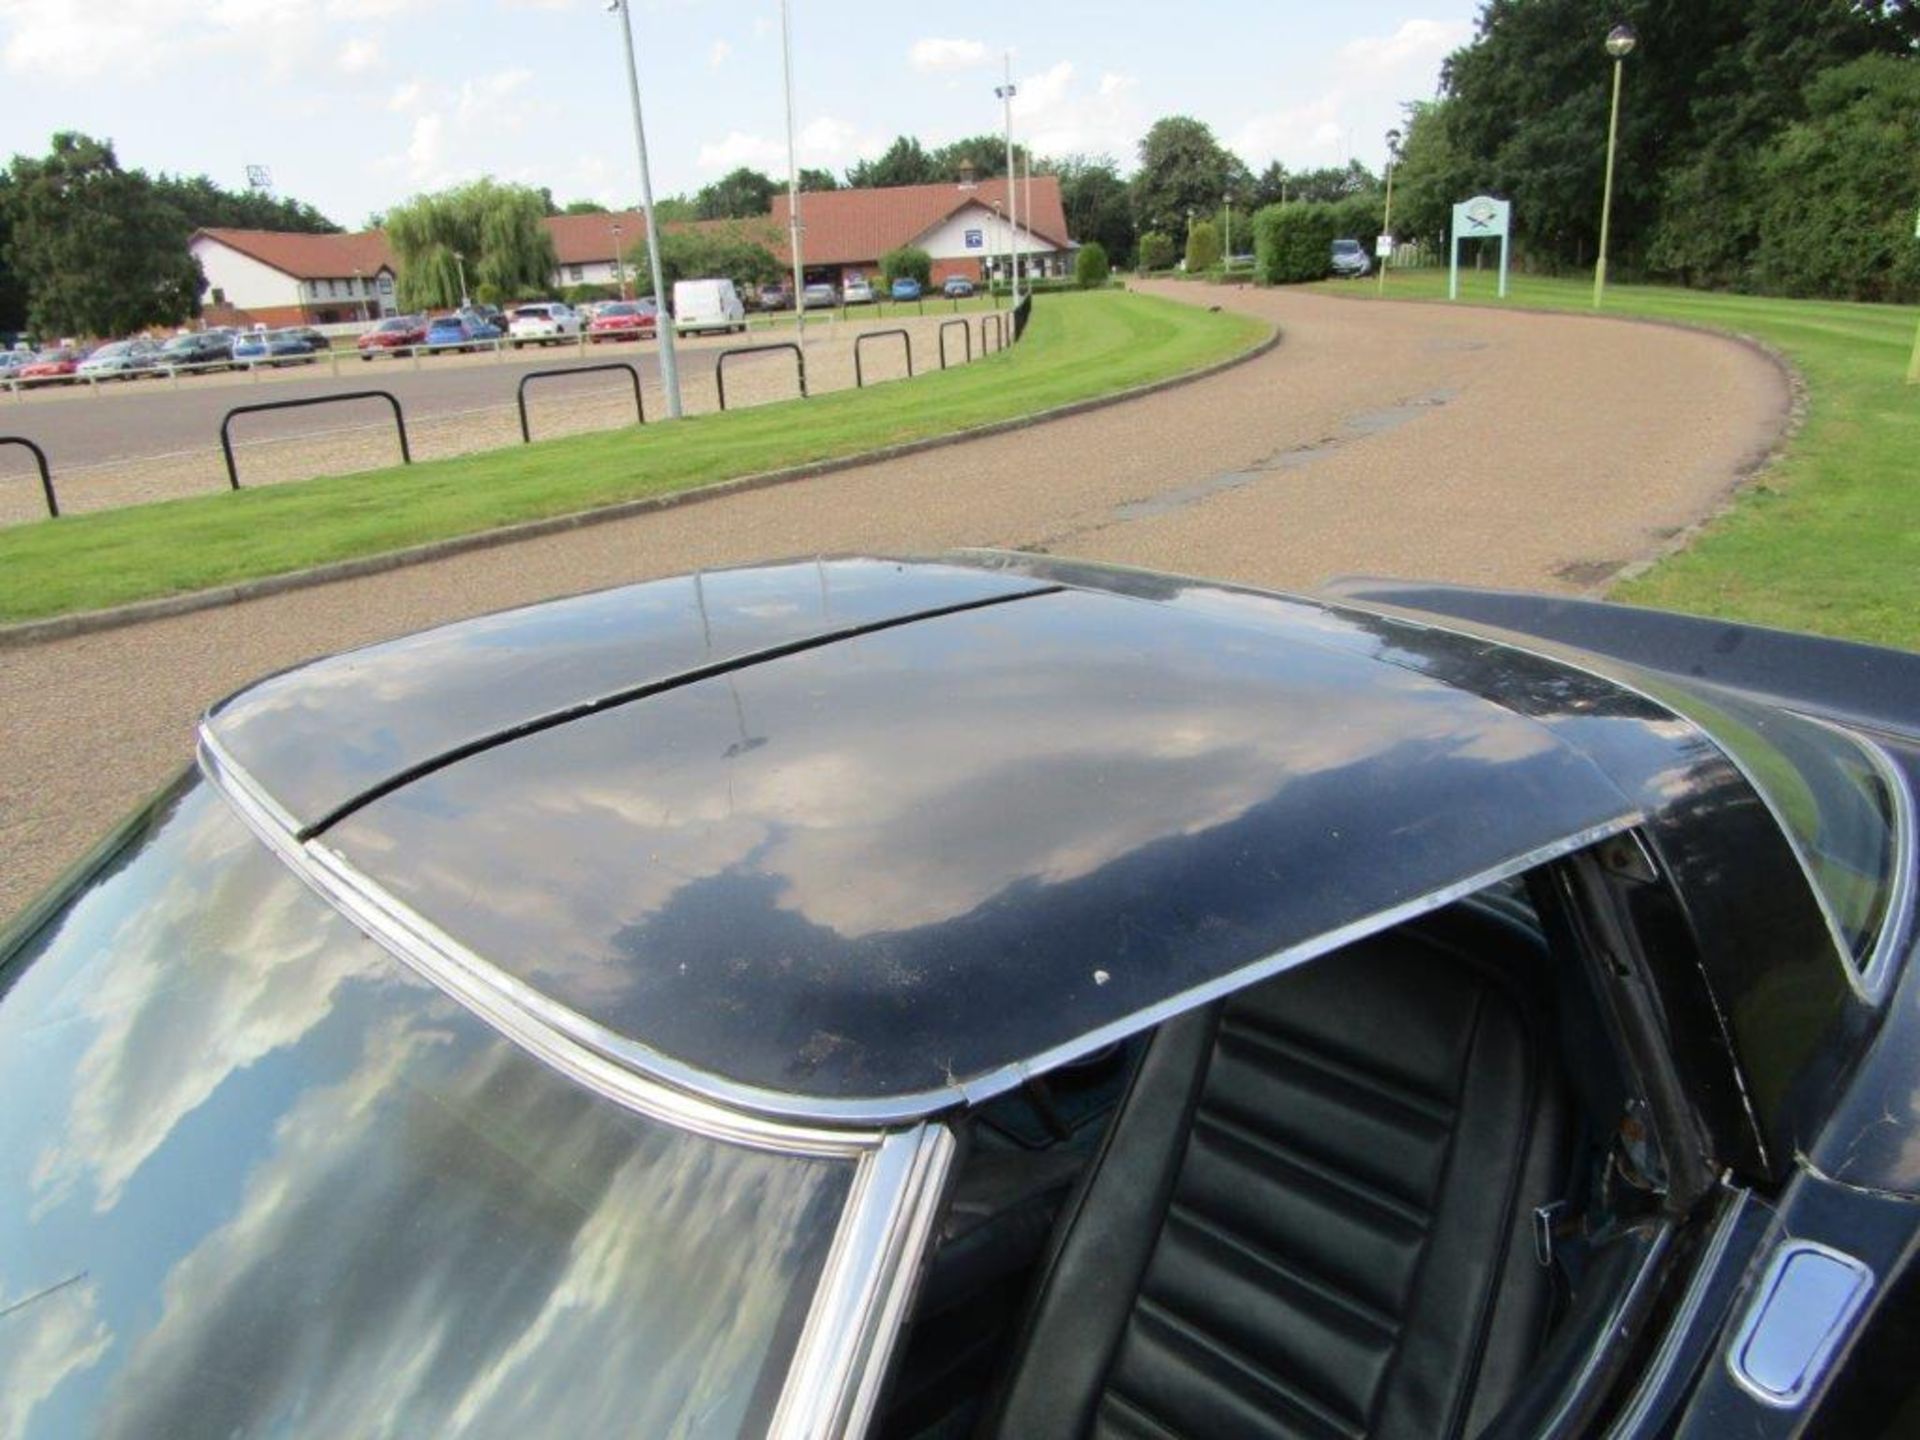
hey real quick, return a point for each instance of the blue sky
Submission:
(354, 104)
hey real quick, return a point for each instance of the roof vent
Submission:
(966, 175)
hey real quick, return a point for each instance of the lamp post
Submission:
(663, 321)
(1226, 240)
(619, 264)
(1386, 224)
(1620, 43)
(460, 261)
(1005, 93)
(793, 183)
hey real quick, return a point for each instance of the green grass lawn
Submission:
(1826, 540)
(1077, 346)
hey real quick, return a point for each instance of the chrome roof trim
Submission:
(679, 1092)
(871, 1272)
(1897, 926)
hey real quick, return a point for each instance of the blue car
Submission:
(460, 332)
(905, 288)
(278, 347)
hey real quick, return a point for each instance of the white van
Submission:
(707, 305)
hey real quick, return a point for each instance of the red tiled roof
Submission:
(588, 239)
(309, 257)
(842, 226)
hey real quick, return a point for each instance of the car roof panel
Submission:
(883, 870)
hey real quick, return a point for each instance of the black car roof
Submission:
(866, 837)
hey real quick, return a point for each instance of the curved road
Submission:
(1476, 445)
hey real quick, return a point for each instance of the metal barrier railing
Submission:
(720, 365)
(46, 476)
(859, 376)
(966, 333)
(999, 331)
(1021, 313)
(639, 406)
(226, 424)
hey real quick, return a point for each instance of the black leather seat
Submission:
(1312, 1214)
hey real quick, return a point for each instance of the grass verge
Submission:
(1826, 540)
(1077, 347)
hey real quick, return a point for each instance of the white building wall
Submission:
(949, 239)
(243, 281)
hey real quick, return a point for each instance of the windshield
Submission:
(265, 1181)
(619, 309)
(108, 352)
(394, 327)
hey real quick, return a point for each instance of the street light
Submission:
(663, 321)
(1620, 43)
(794, 226)
(461, 261)
(1005, 93)
(619, 264)
(1226, 242)
(1386, 225)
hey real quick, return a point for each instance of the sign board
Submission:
(1481, 218)
(976, 239)
(1383, 248)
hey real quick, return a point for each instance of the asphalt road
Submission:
(142, 419)
(1488, 446)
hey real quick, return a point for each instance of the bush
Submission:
(586, 294)
(1203, 247)
(1293, 244)
(909, 261)
(1156, 251)
(1090, 268)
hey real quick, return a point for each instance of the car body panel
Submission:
(818, 296)
(623, 320)
(399, 332)
(905, 288)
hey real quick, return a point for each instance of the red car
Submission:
(52, 365)
(398, 332)
(624, 320)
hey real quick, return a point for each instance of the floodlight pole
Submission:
(1006, 93)
(793, 183)
(662, 320)
(1620, 43)
(1386, 223)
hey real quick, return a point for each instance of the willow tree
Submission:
(496, 228)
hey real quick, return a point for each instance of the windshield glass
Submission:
(1830, 797)
(256, 1178)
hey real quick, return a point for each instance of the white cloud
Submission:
(717, 54)
(427, 146)
(1056, 115)
(933, 54)
(357, 57)
(763, 27)
(824, 142)
(1369, 78)
(405, 96)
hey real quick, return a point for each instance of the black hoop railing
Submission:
(859, 376)
(639, 406)
(226, 424)
(966, 333)
(720, 365)
(46, 476)
(999, 331)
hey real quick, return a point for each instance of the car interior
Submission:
(1415, 1187)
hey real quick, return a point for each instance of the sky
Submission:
(353, 105)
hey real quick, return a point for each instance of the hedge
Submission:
(1293, 244)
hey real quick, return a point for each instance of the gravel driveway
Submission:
(1455, 443)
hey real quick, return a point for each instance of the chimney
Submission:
(966, 175)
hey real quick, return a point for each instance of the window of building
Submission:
(576, 273)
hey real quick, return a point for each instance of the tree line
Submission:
(88, 247)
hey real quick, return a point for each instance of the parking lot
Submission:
(156, 439)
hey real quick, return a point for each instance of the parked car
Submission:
(624, 320)
(957, 287)
(819, 297)
(905, 288)
(59, 365)
(1350, 259)
(547, 322)
(290, 346)
(13, 361)
(776, 297)
(1493, 1011)
(707, 304)
(200, 348)
(121, 360)
(395, 334)
(856, 292)
(462, 332)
